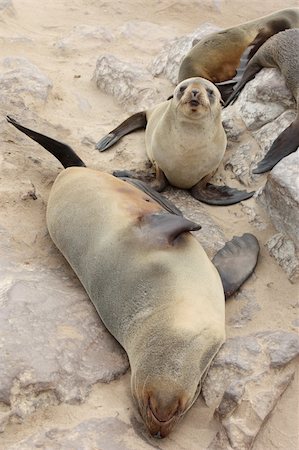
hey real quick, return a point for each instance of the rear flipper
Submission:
(236, 261)
(158, 184)
(219, 195)
(250, 72)
(61, 151)
(285, 144)
(133, 123)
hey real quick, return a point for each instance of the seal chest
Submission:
(185, 136)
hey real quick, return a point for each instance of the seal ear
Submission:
(165, 228)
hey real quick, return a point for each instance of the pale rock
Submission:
(264, 99)
(267, 134)
(167, 63)
(280, 197)
(22, 82)
(53, 346)
(285, 253)
(240, 159)
(130, 84)
(83, 37)
(246, 380)
(109, 433)
(234, 126)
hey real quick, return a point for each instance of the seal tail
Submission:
(64, 153)
(134, 122)
(285, 144)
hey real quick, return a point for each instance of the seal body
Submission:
(282, 52)
(217, 56)
(162, 301)
(184, 136)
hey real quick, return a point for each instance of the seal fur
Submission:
(217, 56)
(150, 280)
(185, 141)
(282, 52)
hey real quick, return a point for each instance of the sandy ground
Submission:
(47, 22)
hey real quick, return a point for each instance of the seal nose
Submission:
(194, 92)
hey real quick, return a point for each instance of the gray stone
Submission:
(53, 346)
(130, 84)
(83, 37)
(167, 63)
(280, 197)
(266, 135)
(285, 253)
(22, 82)
(245, 381)
(264, 99)
(108, 433)
(232, 124)
(240, 160)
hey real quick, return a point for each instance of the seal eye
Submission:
(182, 89)
(210, 92)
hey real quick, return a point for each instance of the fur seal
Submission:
(149, 279)
(185, 141)
(218, 56)
(280, 51)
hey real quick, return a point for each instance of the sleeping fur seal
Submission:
(218, 56)
(151, 282)
(280, 51)
(185, 141)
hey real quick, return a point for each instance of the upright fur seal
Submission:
(217, 56)
(185, 141)
(280, 51)
(151, 282)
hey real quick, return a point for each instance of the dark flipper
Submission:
(164, 228)
(236, 261)
(164, 202)
(226, 88)
(250, 72)
(158, 184)
(133, 123)
(285, 144)
(61, 151)
(219, 195)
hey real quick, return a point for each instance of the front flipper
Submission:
(219, 195)
(163, 228)
(133, 123)
(164, 202)
(285, 144)
(236, 261)
(250, 72)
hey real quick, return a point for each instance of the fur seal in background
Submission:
(280, 51)
(151, 282)
(217, 57)
(185, 141)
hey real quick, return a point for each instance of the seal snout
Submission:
(162, 413)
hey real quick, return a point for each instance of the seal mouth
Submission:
(194, 102)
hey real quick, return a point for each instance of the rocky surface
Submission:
(245, 381)
(55, 355)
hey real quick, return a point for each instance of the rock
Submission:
(23, 83)
(240, 160)
(107, 433)
(284, 251)
(53, 345)
(167, 63)
(131, 84)
(266, 135)
(83, 37)
(264, 99)
(280, 197)
(246, 380)
(247, 306)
